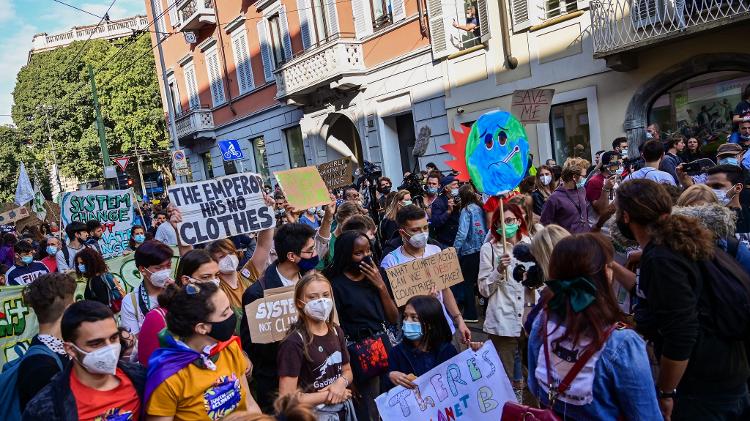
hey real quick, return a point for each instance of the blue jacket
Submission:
(623, 386)
(443, 225)
(407, 359)
(472, 229)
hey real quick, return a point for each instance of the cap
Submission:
(728, 149)
(446, 180)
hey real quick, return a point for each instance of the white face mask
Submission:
(546, 179)
(102, 360)
(311, 211)
(228, 263)
(319, 309)
(419, 240)
(723, 196)
(160, 277)
(649, 135)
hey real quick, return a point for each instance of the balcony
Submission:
(620, 26)
(195, 14)
(195, 125)
(338, 64)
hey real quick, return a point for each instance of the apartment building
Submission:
(616, 66)
(300, 82)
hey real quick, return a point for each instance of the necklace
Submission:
(403, 249)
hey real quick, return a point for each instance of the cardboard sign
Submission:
(417, 277)
(336, 173)
(13, 215)
(470, 386)
(113, 208)
(303, 187)
(532, 105)
(270, 317)
(221, 207)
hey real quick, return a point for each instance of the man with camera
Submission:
(445, 212)
(600, 188)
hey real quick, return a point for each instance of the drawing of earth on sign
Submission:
(493, 153)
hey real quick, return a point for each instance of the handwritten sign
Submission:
(419, 276)
(336, 173)
(13, 215)
(221, 207)
(532, 105)
(303, 187)
(470, 386)
(113, 208)
(269, 318)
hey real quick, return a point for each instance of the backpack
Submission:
(115, 292)
(727, 295)
(11, 409)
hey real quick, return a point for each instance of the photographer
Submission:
(445, 212)
(600, 188)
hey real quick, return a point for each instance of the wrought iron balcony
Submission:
(195, 14)
(623, 25)
(338, 64)
(195, 125)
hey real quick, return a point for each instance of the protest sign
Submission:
(124, 269)
(13, 215)
(336, 173)
(419, 276)
(470, 386)
(269, 318)
(221, 207)
(113, 208)
(303, 187)
(532, 105)
(18, 323)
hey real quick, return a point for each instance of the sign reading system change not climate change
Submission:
(221, 207)
(113, 208)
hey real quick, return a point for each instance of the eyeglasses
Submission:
(192, 289)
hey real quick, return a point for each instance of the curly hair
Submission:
(186, 310)
(49, 295)
(573, 167)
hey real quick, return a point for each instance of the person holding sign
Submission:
(313, 357)
(225, 254)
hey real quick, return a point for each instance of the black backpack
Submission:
(727, 296)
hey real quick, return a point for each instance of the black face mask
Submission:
(384, 189)
(624, 229)
(223, 330)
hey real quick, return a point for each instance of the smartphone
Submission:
(367, 260)
(698, 166)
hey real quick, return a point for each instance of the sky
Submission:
(21, 19)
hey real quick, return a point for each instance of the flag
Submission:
(37, 206)
(24, 191)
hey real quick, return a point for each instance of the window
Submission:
(230, 168)
(472, 25)
(159, 11)
(319, 21)
(208, 167)
(381, 13)
(192, 86)
(173, 19)
(174, 95)
(371, 15)
(295, 147)
(456, 26)
(554, 8)
(261, 158)
(277, 46)
(216, 82)
(569, 127)
(242, 60)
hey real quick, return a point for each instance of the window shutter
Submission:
(286, 39)
(437, 29)
(172, 13)
(304, 9)
(520, 16)
(214, 76)
(333, 17)
(248, 68)
(242, 61)
(265, 51)
(484, 22)
(159, 17)
(192, 88)
(362, 18)
(399, 10)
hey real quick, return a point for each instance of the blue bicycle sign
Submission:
(230, 150)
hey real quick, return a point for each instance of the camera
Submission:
(413, 183)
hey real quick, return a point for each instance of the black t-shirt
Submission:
(359, 307)
(743, 110)
(328, 355)
(96, 290)
(35, 372)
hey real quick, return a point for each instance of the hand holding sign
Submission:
(421, 276)
(303, 187)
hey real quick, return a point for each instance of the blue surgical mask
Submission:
(581, 183)
(51, 250)
(431, 190)
(729, 161)
(412, 330)
(82, 268)
(139, 238)
(27, 259)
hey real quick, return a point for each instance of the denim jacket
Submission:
(471, 230)
(623, 386)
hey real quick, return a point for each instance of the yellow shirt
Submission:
(195, 393)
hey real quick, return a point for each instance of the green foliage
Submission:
(53, 88)
(13, 150)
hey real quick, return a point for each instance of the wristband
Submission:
(666, 395)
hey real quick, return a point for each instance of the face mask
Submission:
(319, 309)
(625, 229)
(723, 196)
(649, 135)
(412, 330)
(228, 263)
(223, 330)
(321, 213)
(745, 137)
(82, 268)
(311, 211)
(510, 230)
(27, 259)
(580, 183)
(51, 250)
(406, 203)
(624, 153)
(384, 190)
(619, 171)
(546, 179)
(454, 192)
(431, 190)
(139, 238)
(102, 360)
(729, 161)
(418, 240)
(160, 277)
(308, 264)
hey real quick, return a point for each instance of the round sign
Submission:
(179, 155)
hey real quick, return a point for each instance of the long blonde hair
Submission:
(395, 204)
(300, 326)
(543, 242)
(696, 194)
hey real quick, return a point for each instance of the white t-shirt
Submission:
(397, 257)
(285, 281)
(132, 318)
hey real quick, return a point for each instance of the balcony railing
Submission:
(195, 124)
(621, 25)
(194, 14)
(340, 61)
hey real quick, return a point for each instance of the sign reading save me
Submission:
(419, 276)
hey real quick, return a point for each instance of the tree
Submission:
(14, 149)
(52, 88)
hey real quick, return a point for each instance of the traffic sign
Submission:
(180, 161)
(122, 162)
(230, 150)
(110, 171)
